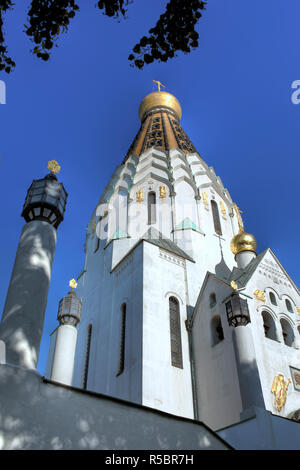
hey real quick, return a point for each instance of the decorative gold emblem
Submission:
(205, 200)
(53, 166)
(239, 218)
(223, 208)
(140, 195)
(260, 295)
(298, 310)
(73, 284)
(162, 191)
(159, 84)
(234, 285)
(279, 389)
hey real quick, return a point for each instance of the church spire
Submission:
(160, 113)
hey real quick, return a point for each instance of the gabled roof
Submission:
(157, 238)
(242, 276)
(187, 223)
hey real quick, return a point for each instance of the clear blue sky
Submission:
(81, 108)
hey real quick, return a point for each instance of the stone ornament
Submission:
(140, 195)
(205, 200)
(279, 389)
(260, 295)
(223, 208)
(162, 192)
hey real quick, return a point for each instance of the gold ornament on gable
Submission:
(260, 295)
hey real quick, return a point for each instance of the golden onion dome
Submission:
(159, 99)
(243, 242)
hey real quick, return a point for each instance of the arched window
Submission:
(287, 332)
(175, 333)
(269, 326)
(216, 217)
(289, 306)
(212, 300)
(87, 356)
(216, 330)
(272, 298)
(151, 208)
(122, 339)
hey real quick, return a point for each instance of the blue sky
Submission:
(81, 108)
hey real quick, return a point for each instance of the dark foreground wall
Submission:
(39, 414)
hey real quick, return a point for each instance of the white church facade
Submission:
(179, 312)
(174, 309)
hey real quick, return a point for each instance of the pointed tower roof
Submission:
(160, 114)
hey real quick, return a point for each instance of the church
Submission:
(174, 313)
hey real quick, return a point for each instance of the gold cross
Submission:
(159, 84)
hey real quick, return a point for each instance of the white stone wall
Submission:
(275, 357)
(165, 386)
(144, 277)
(102, 295)
(218, 394)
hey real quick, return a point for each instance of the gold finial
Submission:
(53, 166)
(239, 218)
(234, 285)
(159, 84)
(73, 284)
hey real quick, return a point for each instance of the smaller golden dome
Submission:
(243, 242)
(159, 99)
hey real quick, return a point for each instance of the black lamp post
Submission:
(237, 311)
(46, 200)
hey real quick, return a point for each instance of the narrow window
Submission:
(273, 298)
(122, 340)
(212, 300)
(87, 357)
(97, 244)
(269, 326)
(175, 333)
(289, 305)
(217, 330)
(216, 217)
(151, 208)
(287, 332)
